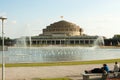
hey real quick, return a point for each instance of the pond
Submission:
(57, 54)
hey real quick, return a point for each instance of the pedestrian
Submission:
(116, 69)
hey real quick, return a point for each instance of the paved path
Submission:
(29, 73)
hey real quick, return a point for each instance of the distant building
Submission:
(62, 33)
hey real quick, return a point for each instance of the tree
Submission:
(81, 30)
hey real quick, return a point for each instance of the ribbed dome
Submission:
(63, 24)
(62, 27)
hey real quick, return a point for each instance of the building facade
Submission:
(63, 40)
(63, 28)
(62, 33)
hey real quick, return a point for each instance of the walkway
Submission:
(29, 73)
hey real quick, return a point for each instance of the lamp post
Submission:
(3, 64)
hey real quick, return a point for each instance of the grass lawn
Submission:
(60, 63)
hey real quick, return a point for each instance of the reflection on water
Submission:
(54, 54)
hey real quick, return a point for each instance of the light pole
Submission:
(3, 64)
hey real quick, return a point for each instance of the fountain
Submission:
(21, 42)
(19, 54)
(99, 41)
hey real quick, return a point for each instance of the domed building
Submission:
(63, 27)
(62, 33)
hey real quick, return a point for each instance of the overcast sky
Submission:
(29, 17)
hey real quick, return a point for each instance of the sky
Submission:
(29, 17)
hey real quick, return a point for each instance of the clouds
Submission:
(104, 25)
(3, 13)
(13, 22)
(96, 17)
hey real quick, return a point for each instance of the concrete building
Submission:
(62, 33)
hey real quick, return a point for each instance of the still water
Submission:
(56, 54)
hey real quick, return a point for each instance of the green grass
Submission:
(60, 63)
(52, 79)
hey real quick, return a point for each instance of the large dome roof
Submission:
(62, 27)
(64, 24)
